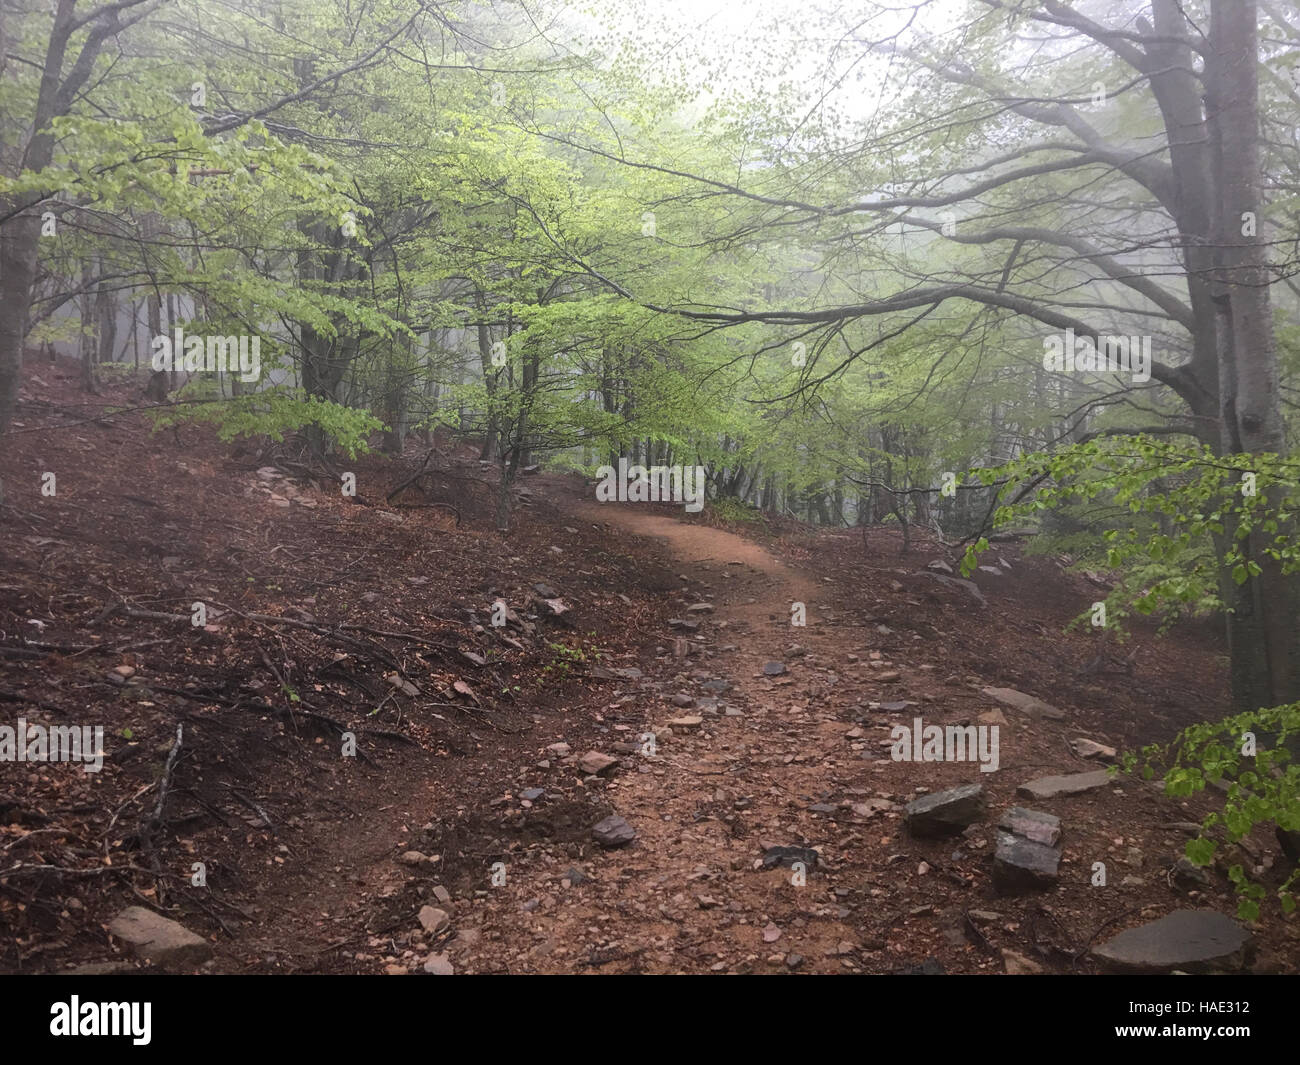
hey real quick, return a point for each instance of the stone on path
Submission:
(774, 669)
(1188, 940)
(1098, 752)
(788, 856)
(1033, 825)
(158, 939)
(596, 762)
(613, 831)
(433, 920)
(946, 813)
(1069, 784)
(1019, 965)
(1031, 707)
(438, 965)
(1021, 865)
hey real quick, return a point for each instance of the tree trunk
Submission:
(1263, 637)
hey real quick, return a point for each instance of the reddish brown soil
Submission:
(152, 523)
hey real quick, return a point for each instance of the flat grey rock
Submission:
(1069, 784)
(1032, 824)
(613, 831)
(1190, 940)
(160, 940)
(1033, 708)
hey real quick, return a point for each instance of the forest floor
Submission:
(459, 838)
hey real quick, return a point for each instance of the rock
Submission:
(688, 722)
(969, 587)
(945, 813)
(1189, 877)
(939, 566)
(1186, 940)
(399, 682)
(613, 831)
(984, 916)
(1021, 865)
(1026, 704)
(1098, 752)
(556, 608)
(788, 856)
(1031, 824)
(871, 807)
(160, 940)
(125, 672)
(793, 961)
(595, 762)
(774, 669)
(434, 920)
(681, 623)
(443, 896)
(545, 590)
(575, 876)
(992, 570)
(771, 933)
(700, 608)
(683, 700)
(414, 858)
(532, 794)
(1018, 964)
(992, 717)
(560, 750)
(1070, 784)
(438, 965)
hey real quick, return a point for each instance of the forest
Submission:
(657, 448)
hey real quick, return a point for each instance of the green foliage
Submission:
(1260, 788)
(275, 412)
(1196, 512)
(735, 510)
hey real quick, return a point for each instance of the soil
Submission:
(329, 615)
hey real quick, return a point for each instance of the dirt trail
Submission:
(795, 755)
(733, 774)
